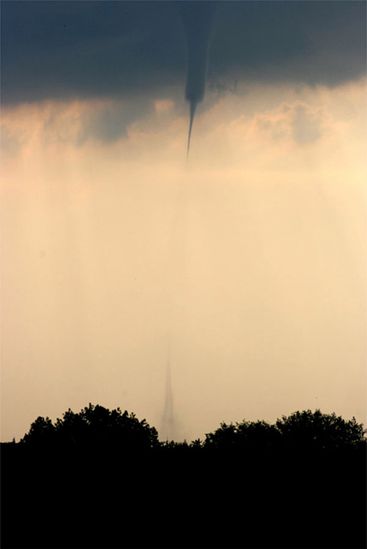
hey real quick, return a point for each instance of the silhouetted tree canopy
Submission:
(245, 435)
(96, 425)
(318, 430)
(300, 430)
(93, 425)
(41, 432)
(101, 478)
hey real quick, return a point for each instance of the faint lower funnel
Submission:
(168, 430)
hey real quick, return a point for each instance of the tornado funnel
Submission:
(197, 18)
(192, 114)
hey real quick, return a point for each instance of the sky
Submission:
(243, 267)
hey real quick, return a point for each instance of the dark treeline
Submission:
(101, 478)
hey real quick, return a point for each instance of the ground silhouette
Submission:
(101, 478)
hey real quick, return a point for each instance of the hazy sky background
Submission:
(249, 262)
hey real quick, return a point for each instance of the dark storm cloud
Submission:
(112, 49)
(88, 49)
(311, 42)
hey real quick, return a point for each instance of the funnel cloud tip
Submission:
(193, 105)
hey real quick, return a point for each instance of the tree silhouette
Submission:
(315, 430)
(246, 435)
(101, 478)
(301, 430)
(41, 432)
(93, 426)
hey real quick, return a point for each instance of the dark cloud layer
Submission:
(111, 49)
